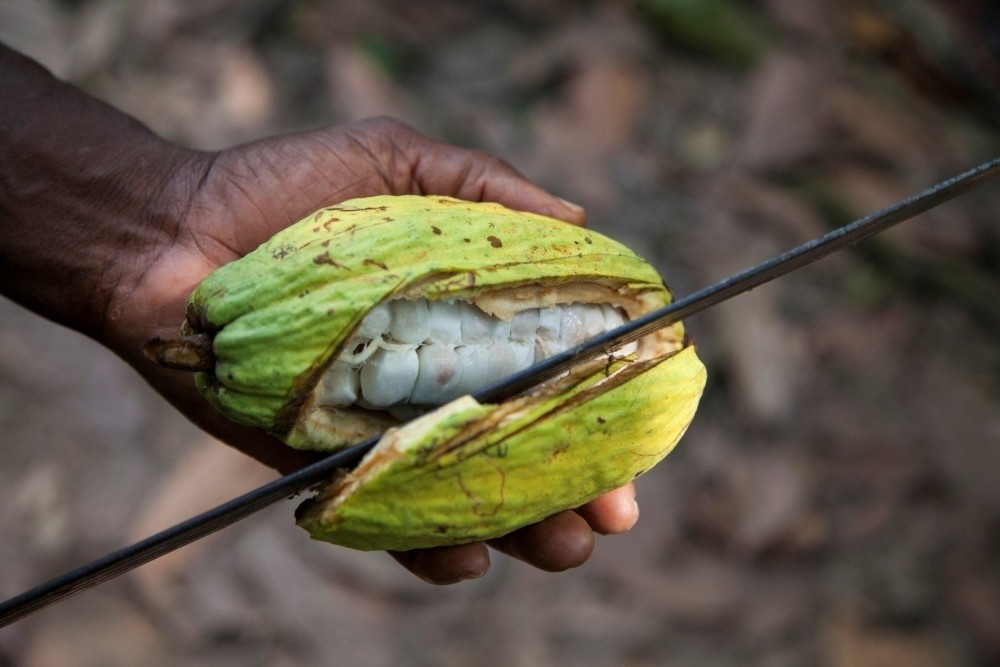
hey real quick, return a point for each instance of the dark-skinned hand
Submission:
(97, 208)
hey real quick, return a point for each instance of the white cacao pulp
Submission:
(427, 353)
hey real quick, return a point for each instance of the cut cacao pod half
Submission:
(469, 472)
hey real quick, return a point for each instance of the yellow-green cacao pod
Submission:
(371, 311)
(470, 472)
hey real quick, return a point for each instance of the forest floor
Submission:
(836, 501)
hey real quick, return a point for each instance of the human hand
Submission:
(106, 228)
(225, 204)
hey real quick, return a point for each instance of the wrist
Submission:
(85, 194)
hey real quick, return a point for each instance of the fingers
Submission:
(613, 513)
(446, 565)
(479, 176)
(269, 184)
(566, 540)
(560, 542)
(433, 167)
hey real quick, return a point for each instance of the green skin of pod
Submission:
(279, 315)
(464, 472)
(461, 474)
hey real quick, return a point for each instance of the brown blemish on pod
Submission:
(326, 259)
(187, 353)
(494, 241)
(196, 317)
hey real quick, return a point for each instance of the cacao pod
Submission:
(376, 310)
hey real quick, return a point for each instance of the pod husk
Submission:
(279, 316)
(261, 332)
(470, 472)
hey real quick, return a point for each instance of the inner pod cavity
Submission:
(426, 353)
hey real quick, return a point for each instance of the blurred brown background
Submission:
(837, 501)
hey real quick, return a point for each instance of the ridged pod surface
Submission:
(279, 318)
(470, 472)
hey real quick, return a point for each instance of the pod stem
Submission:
(188, 353)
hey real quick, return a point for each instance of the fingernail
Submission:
(430, 572)
(476, 573)
(570, 205)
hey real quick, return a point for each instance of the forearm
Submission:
(83, 196)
